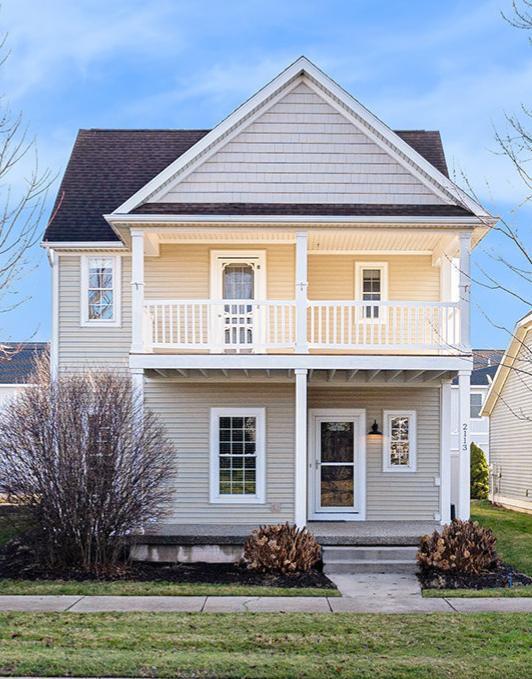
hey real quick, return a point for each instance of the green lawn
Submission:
(514, 545)
(525, 591)
(513, 531)
(265, 645)
(152, 588)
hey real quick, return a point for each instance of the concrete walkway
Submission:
(366, 603)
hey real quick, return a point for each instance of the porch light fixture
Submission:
(374, 432)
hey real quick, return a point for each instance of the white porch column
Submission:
(465, 290)
(445, 456)
(137, 291)
(464, 439)
(301, 292)
(300, 499)
(137, 381)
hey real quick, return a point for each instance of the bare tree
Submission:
(22, 202)
(87, 464)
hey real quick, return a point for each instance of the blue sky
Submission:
(455, 66)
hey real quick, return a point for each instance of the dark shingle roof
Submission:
(485, 364)
(325, 209)
(106, 167)
(17, 362)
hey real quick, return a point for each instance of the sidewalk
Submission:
(369, 603)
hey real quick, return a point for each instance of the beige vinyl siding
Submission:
(183, 271)
(79, 346)
(395, 496)
(511, 430)
(184, 409)
(410, 277)
(301, 150)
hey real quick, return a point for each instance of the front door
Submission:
(336, 464)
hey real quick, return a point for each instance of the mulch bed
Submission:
(17, 561)
(502, 576)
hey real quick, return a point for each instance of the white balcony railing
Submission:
(259, 326)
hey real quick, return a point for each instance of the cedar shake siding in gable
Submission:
(301, 150)
(511, 432)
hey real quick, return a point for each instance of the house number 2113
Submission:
(465, 427)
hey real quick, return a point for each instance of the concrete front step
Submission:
(367, 559)
(353, 567)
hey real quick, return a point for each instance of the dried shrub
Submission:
(461, 547)
(281, 548)
(87, 463)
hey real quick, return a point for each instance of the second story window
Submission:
(100, 290)
(371, 283)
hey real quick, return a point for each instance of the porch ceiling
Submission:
(316, 377)
(401, 240)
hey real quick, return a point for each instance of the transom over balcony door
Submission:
(238, 289)
(336, 465)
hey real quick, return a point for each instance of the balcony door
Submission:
(337, 465)
(237, 287)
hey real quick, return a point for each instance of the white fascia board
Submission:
(125, 219)
(83, 245)
(300, 67)
(306, 361)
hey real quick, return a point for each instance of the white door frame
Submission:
(358, 415)
(257, 259)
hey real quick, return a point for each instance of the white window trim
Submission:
(359, 269)
(482, 399)
(214, 475)
(412, 433)
(114, 322)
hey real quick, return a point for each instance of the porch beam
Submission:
(330, 375)
(431, 375)
(351, 374)
(414, 375)
(300, 499)
(372, 374)
(464, 440)
(393, 375)
(301, 291)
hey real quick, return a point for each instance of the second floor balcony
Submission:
(299, 292)
(259, 326)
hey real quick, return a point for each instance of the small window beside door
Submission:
(399, 441)
(371, 285)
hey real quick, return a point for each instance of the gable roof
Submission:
(521, 330)
(485, 365)
(18, 364)
(108, 166)
(304, 71)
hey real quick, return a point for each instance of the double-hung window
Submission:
(100, 290)
(475, 405)
(237, 455)
(371, 285)
(399, 442)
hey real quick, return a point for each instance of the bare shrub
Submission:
(461, 547)
(281, 548)
(86, 463)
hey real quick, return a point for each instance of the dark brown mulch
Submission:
(503, 576)
(17, 561)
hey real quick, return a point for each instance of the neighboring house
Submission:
(509, 407)
(290, 291)
(485, 364)
(17, 366)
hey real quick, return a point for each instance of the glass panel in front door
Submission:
(238, 283)
(337, 457)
